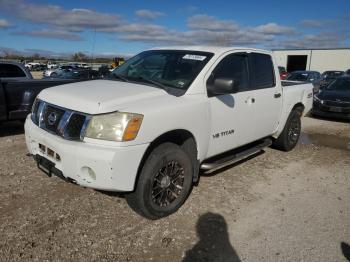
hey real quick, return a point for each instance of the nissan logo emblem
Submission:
(52, 118)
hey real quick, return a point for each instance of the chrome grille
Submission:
(60, 121)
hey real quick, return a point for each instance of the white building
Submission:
(313, 59)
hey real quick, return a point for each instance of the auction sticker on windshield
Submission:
(194, 57)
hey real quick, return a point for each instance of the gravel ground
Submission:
(274, 207)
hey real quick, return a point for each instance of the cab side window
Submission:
(9, 70)
(262, 71)
(235, 67)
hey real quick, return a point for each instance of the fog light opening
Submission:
(88, 173)
(42, 148)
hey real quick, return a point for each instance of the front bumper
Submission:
(325, 111)
(90, 165)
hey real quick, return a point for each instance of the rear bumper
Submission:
(90, 165)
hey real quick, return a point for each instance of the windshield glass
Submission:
(340, 84)
(297, 76)
(163, 68)
(332, 75)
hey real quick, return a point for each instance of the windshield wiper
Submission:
(153, 83)
(120, 77)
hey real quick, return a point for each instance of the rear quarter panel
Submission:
(293, 95)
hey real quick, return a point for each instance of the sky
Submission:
(112, 28)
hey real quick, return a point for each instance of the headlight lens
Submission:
(117, 126)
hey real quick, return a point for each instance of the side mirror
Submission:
(222, 86)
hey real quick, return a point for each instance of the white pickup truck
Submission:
(163, 116)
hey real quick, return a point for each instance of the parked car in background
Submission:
(36, 66)
(104, 71)
(166, 114)
(328, 77)
(334, 99)
(14, 70)
(313, 77)
(56, 71)
(283, 72)
(77, 73)
(51, 65)
(304, 76)
(80, 65)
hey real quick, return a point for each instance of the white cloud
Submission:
(4, 23)
(148, 14)
(311, 23)
(57, 34)
(206, 22)
(274, 29)
(320, 40)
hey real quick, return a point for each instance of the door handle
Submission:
(250, 100)
(278, 95)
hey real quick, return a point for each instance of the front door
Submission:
(232, 115)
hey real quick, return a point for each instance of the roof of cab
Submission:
(211, 49)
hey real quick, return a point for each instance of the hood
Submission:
(333, 95)
(99, 96)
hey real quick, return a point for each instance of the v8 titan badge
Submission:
(224, 133)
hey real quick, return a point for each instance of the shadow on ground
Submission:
(214, 243)
(345, 248)
(11, 128)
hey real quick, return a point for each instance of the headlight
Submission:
(117, 126)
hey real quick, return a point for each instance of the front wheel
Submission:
(164, 184)
(289, 137)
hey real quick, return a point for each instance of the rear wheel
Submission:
(165, 182)
(289, 137)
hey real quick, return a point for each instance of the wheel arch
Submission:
(300, 107)
(181, 137)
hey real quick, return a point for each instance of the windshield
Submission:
(332, 75)
(297, 76)
(163, 68)
(340, 84)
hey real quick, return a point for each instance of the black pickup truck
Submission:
(18, 90)
(17, 96)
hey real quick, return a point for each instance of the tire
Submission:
(164, 183)
(53, 75)
(289, 137)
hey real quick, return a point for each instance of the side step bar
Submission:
(229, 159)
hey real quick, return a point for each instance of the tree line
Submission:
(76, 57)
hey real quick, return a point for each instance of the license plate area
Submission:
(335, 109)
(45, 165)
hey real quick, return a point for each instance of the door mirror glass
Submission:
(223, 86)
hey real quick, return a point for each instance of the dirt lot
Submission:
(37, 74)
(275, 207)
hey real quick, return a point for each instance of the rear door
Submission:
(232, 115)
(267, 94)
